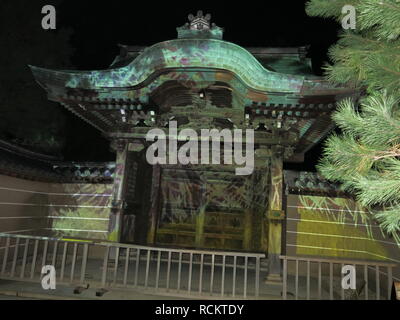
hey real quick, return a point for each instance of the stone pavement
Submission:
(10, 290)
(30, 290)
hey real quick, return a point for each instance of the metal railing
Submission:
(181, 271)
(23, 257)
(104, 265)
(320, 278)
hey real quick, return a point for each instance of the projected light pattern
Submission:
(83, 214)
(337, 227)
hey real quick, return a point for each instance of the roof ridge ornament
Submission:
(199, 22)
(200, 26)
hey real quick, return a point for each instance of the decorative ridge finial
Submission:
(199, 22)
(200, 26)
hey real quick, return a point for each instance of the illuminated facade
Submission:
(203, 82)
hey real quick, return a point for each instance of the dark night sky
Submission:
(99, 26)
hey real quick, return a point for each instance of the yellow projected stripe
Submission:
(340, 236)
(334, 222)
(328, 209)
(75, 240)
(347, 250)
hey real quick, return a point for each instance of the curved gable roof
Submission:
(179, 53)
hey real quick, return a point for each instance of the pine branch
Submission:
(383, 16)
(389, 219)
(328, 8)
(365, 159)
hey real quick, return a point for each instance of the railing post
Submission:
(223, 276)
(35, 250)
(116, 262)
(284, 291)
(5, 257)
(308, 280)
(212, 274)
(390, 282)
(201, 274)
(45, 247)
(319, 281)
(105, 266)
(377, 283)
(168, 269)
(14, 264)
(137, 266)
(234, 276)
(24, 259)
(179, 271)
(54, 259)
(297, 280)
(84, 262)
(63, 261)
(71, 277)
(330, 280)
(158, 268)
(245, 277)
(147, 268)
(258, 276)
(190, 273)
(342, 289)
(366, 281)
(126, 266)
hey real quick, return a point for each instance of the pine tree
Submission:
(365, 157)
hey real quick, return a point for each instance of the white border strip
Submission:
(328, 209)
(343, 237)
(51, 205)
(334, 222)
(337, 249)
(58, 194)
(56, 229)
(78, 218)
(55, 217)
(15, 231)
(77, 230)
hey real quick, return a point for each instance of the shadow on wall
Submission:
(49, 209)
(23, 206)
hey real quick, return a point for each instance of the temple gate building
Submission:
(201, 81)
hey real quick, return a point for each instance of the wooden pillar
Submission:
(263, 165)
(121, 148)
(201, 215)
(275, 217)
(154, 204)
(199, 240)
(248, 213)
